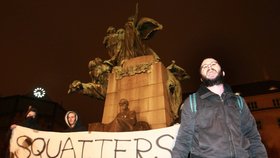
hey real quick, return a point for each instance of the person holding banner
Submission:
(73, 122)
(216, 123)
(30, 121)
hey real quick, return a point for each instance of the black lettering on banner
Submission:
(70, 148)
(39, 152)
(47, 151)
(103, 140)
(158, 142)
(138, 151)
(116, 146)
(84, 141)
(23, 145)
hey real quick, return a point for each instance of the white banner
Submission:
(157, 143)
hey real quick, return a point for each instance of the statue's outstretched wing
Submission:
(147, 27)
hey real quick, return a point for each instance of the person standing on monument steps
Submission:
(214, 124)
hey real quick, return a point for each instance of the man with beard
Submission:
(213, 124)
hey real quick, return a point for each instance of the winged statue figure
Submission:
(128, 42)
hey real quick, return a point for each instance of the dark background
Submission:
(49, 43)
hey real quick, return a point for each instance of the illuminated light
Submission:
(272, 88)
(39, 92)
(237, 93)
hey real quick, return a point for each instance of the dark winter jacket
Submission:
(219, 128)
(30, 122)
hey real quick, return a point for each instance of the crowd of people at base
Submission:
(212, 124)
(30, 121)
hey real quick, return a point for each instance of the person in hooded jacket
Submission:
(73, 122)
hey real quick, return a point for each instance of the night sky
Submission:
(49, 43)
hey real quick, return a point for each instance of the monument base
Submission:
(143, 82)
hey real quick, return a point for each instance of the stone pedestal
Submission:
(146, 91)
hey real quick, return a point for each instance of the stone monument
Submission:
(134, 72)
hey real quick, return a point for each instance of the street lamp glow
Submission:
(39, 92)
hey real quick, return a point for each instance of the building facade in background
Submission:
(263, 99)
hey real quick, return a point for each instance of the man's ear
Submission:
(224, 73)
